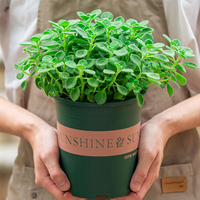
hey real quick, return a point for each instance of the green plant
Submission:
(98, 59)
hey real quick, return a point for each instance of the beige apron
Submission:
(182, 152)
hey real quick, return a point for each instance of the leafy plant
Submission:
(100, 59)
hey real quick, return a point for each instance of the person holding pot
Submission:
(169, 144)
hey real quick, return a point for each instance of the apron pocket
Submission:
(29, 190)
(177, 175)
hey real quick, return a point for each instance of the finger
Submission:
(55, 172)
(141, 171)
(152, 176)
(43, 179)
(150, 179)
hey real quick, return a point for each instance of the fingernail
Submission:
(135, 187)
(64, 186)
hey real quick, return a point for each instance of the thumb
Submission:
(140, 173)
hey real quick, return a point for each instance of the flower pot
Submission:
(98, 145)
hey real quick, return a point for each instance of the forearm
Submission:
(18, 121)
(183, 116)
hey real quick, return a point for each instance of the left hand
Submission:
(150, 155)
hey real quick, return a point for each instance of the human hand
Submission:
(150, 155)
(48, 173)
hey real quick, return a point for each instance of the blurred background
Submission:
(8, 145)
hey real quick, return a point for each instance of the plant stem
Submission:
(90, 49)
(114, 79)
(176, 62)
(82, 86)
(65, 46)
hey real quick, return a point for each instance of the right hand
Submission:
(48, 173)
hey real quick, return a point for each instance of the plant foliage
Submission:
(100, 59)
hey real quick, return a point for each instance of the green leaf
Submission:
(167, 38)
(46, 37)
(169, 53)
(82, 32)
(70, 82)
(160, 57)
(31, 49)
(114, 45)
(134, 48)
(153, 75)
(50, 87)
(35, 38)
(58, 86)
(81, 41)
(103, 46)
(47, 59)
(20, 75)
(99, 30)
(39, 83)
(59, 64)
(154, 81)
(44, 70)
(137, 89)
(118, 96)
(119, 19)
(49, 43)
(169, 90)
(91, 97)
(22, 61)
(176, 84)
(108, 71)
(90, 62)
(181, 79)
(74, 94)
(24, 85)
(101, 97)
(176, 42)
(122, 90)
(140, 99)
(136, 59)
(181, 68)
(64, 75)
(27, 43)
(63, 23)
(70, 64)
(101, 61)
(190, 65)
(17, 66)
(60, 55)
(107, 15)
(127, 70)
(82, 62)
(55, 25)
(89, 71)
(158, 45)
(93, 82)
(144, 23)
(121, 52)
(95, 13)
(81, 53)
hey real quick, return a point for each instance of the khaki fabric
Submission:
(182, 152)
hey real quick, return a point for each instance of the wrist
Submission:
(33, 127)
(166, 125)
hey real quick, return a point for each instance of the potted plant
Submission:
(98, 69)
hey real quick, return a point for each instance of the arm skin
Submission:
(181, 117)
(43, 139)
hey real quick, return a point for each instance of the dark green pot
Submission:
(98, 146)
